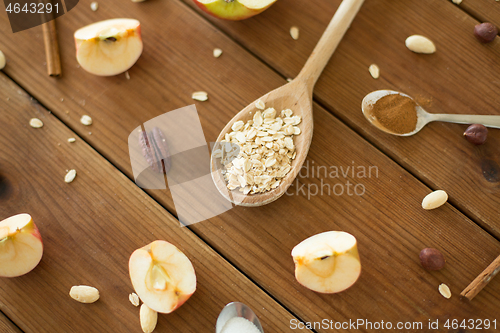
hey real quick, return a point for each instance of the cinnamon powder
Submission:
(396, 113)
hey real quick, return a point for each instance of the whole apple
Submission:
(234, 10)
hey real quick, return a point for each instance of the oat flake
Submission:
(70, 176)
(374, 71)
(36, 123)
(86, 120)
(445, 290)
(134, 299)
(294, 32)
(217, 52)
(200, 96)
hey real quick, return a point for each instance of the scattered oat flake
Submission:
(94, 5)
(217, 52)
(374, 71)
(294, 32)
(86, 120)
(445, 290)
(134, 299)
(71, 140)
(457, 2)
(200, 96)
(70, 176)
(289, 79)
(36, 123)
(127, 75)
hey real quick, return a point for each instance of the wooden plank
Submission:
(89, 228)
(484, 11)
(388, 221)
(6, 325)
(462, 77)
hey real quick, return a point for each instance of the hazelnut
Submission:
(431, 259)
(485, 32)
(476, 134)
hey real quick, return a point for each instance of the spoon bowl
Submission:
(236, 309)
(282, 98)
(423, 117)
(297, 96)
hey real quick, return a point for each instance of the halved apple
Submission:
(234, 9)
(21, 245)
(109, 47)
(162, 276)
(327, 262)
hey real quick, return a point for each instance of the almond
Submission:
(434, 199)
(420, 44)
(84, 294)
(149, 318)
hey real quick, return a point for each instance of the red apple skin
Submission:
(247, 13)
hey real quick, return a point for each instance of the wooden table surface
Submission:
(91, 226)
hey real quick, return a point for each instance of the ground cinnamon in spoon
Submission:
(396, 113)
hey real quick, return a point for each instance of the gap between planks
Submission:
(277, 301)
(431, 187)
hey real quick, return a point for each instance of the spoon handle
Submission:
(329, 41)
(488, 121)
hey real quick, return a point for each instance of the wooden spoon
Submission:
(296, 95)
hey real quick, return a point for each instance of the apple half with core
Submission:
(109, 47)
(21, 245)
(234, 9)
(162, 276)
(327, 262)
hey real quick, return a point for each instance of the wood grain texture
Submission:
(89, 228)
(388, 221)
(484, 11)
(6, 325)
(297, 95)
(462, 77)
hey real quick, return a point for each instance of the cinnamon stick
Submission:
(482, 280)
(51, 48)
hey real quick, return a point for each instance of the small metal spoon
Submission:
(236, 309)
(423, 117)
